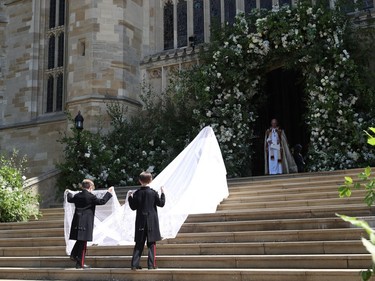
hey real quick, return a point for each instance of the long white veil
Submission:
(194, 182)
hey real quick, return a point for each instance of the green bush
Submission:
(16, 202)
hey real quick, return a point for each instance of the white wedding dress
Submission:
(194, 182)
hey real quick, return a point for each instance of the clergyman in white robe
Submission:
(278, 159)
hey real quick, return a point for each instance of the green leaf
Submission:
(344, 191)
(366, 275)
(360, 223)
(372, 129)
(348, 180)
(369, 247)
(357, 185)
(371, 141)
(368, 171)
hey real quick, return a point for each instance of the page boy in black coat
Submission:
(83, 220)
(145, 200)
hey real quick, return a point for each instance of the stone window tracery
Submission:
(55, 34)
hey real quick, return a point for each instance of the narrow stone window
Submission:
(52, 13)
(55, 51)
(266, 4)
(60, 54)
(82, 47)
(181, 23)
(215, 12)
(50, 86)
(59, 92)
(168, 25)
(229, 11)
(250, 5)
(285, 2)
(198, 21)
(51, 52)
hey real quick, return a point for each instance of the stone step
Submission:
(120, 274)
(28, 233)
(358, 210)
(291, 203)
(283, 224)
(245, 248)
(246, 198)
(216, 237)
(36, 224)
(358, 261)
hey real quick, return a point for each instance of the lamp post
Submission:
(78, 120)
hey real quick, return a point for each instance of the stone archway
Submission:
(284, 101)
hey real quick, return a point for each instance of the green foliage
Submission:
(16, 202)
(364, 178)
(149, 141)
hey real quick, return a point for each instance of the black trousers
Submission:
(79, 251)
(138, 249)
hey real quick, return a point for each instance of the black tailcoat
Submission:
(145, 200)
(83, 219)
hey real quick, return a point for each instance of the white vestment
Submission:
(195, 182)
(277, 156)
(274, 160)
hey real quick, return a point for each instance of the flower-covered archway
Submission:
(228, 88)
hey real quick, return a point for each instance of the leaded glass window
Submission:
(285, 2)
(215, 11)
(51, 52)
(250, 5)
(168, 25)
(61, 12)
(52, 13)
(60, 54)
(229, 11)
(198, 20)
(55, 46)
(50, 86)
(59, 92)
(266, 4)
(181, 23)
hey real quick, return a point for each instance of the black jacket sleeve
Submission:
(70, 197)
(160, 201)
(133, 202)
(102, 201)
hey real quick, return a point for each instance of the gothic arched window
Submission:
(198, 21)
(229, 11)
(61, 12)
(266, 4)
(59, 92)
(181, 23)
(52, 13)
(215, 11)
(60, 51)
(250, 5)
(168, 25)
(51, 52)
(50, 86)
(55, 33)
(285, 2)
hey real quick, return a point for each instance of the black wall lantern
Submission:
(78, 120)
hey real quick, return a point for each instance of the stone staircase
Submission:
(280, 228)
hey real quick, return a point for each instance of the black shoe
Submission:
(136, 267)
(79, 266)
(152, 267)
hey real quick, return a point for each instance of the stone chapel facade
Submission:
(71, 55)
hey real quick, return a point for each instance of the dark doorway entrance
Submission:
(285, 102)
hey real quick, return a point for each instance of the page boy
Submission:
(83, 220)
(145, 200)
